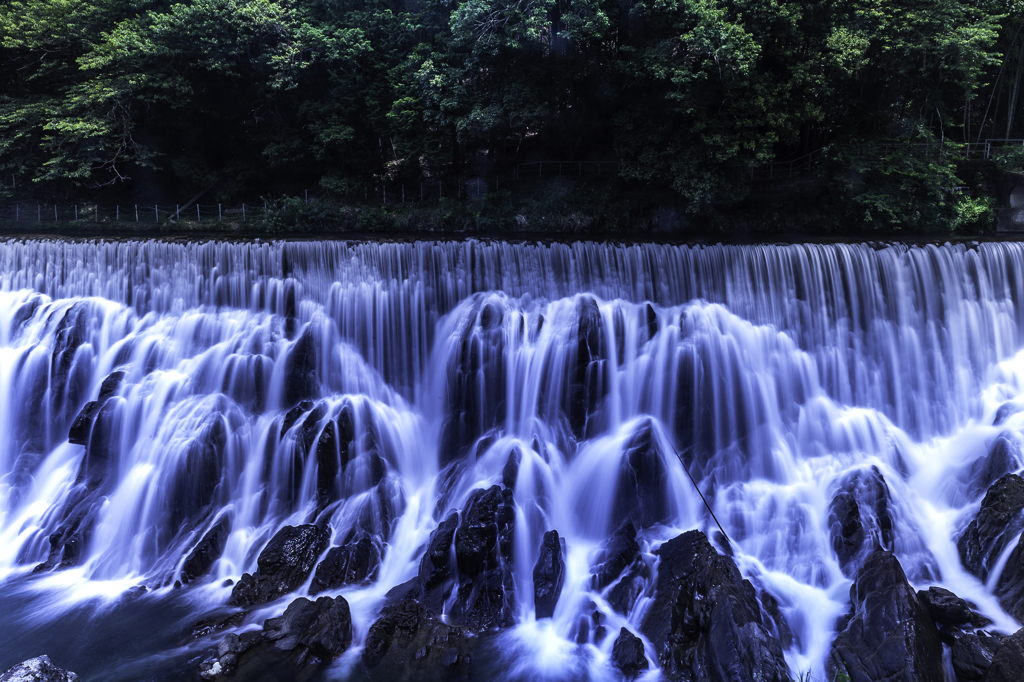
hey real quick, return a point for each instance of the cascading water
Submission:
(155, 395)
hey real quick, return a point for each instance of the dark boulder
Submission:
(353, 562)
(410, 643)
(640, 494)
(588, 384)
(998, 520)
(483, 555)
(38, 669)
(628, 654)
(81, 427)
(436, 569)
(1002, 458)
(207, 551)
(320, 629)
(1008, 661)
(1010, 586)
(283, 565)
(548, 574)
(890, 634)
(302, 368)
(307, 634)
(619, 553)
(944, 607)
(859, 518)
(476, 376)
(704, 620)
(510, 473)
(973, 654)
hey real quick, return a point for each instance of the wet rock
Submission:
(216, 623)
(476, 381)
(1008, 661)
(622, 596)
(621, 551)
(587, 385)
(1005, 411)
(308, 634)
(548, 574)
(353, 562)
(945, 607)
(436, 567)
(511, 471)
(410, 643)
(973, 654)
(207, 551)
(628, 654)
(283, 565)
(859, 518)
(704, 620)
(82, 426)
(197, 478)
(302, 369)
(320, 629)
(483, 554)
(774, 613)
(1002, 458)
(889, 634)
(38, 669)
(998, 520)
(640, 493)
(1010, 586)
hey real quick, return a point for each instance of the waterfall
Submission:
(154, 393)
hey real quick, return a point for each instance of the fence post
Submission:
(243, 211)
(156, 212)
(117, 213)
(76, 213)
(220, 213)
(177, 212)
(264, 209)
(96, 212)
(136, 213)
(199, 218)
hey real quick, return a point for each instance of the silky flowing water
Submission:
(765, 376)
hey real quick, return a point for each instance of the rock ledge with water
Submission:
(38, 669)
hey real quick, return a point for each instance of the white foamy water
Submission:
(765, 375)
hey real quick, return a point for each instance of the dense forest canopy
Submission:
(254, 96)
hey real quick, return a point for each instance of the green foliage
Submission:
(239, 98)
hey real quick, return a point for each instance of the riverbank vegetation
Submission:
(889, 102)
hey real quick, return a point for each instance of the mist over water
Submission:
(371, 388)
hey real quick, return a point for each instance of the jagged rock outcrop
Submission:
(859, 518)
(352, 562)
(704, 620)
(623, 569)
(465, 572)
(307, 634)
(999, 519)
(207, 550)
(641, 493)
(944, 607)
(548, 574)
(1008, 661)
(38, 669)
(283, 565)
(628, 654)
(1002, 458)
(889, 634)
(972, 655)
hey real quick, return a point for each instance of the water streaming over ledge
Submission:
(771, 374)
